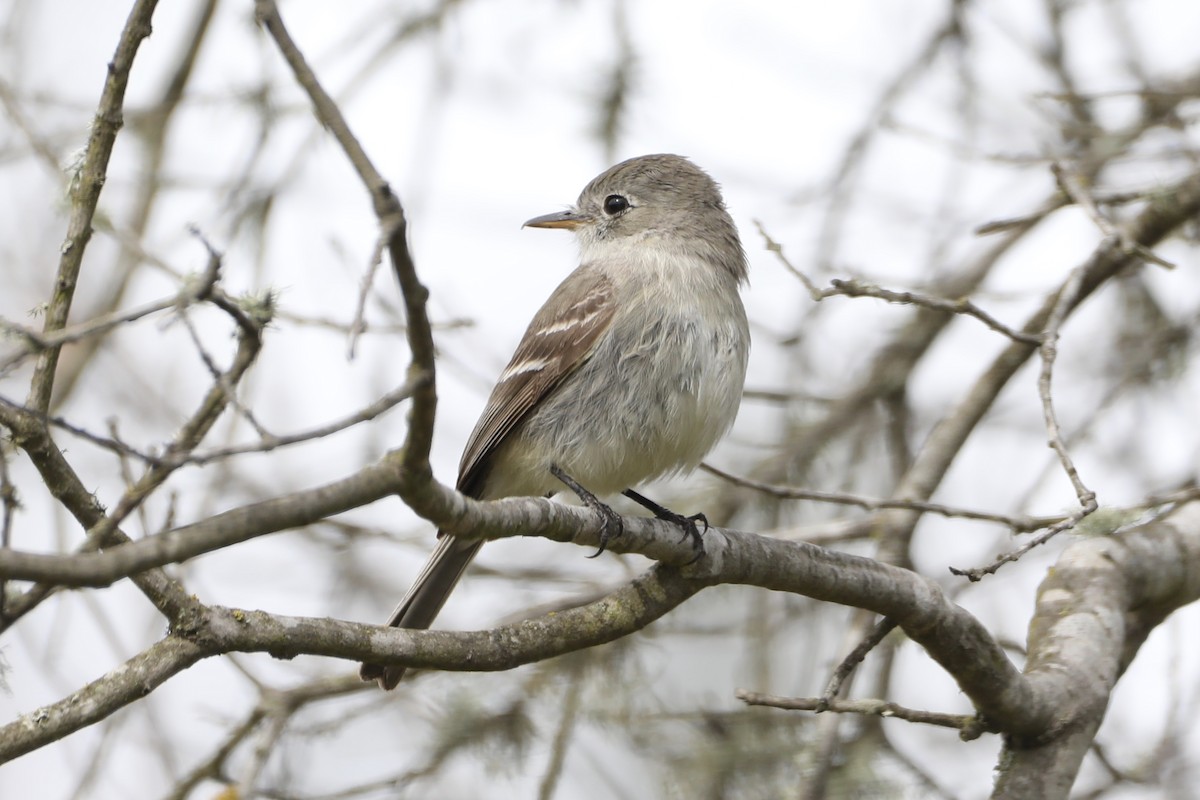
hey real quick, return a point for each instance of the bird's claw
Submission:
(611, 525)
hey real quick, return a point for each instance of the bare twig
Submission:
(1072, 184)
(359, 324)
(1067, 298)
(1163, 215)
(9, 503)
(272, 442)
(268, 443)
(85, 193)
(828, 734)
(567, 724)
(879, 708)
(225, 382)
(856, 288)
(977, 573)
(200, 288)
(37, 342)
(271, 702)
(219, 396)
(1018, 524)
(213, 768)
(880, 630)
(393, 230)
(776, 248)
(961, 305)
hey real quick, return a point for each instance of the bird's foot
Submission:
(687, 524)
(611, 527)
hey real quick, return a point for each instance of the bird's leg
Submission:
(688, 524)
(612, 526)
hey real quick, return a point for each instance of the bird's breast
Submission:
(660, 388)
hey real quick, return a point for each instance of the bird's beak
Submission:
(570, 219)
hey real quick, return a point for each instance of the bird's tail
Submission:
(425, 599)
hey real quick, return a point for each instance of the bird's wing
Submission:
(560, 338)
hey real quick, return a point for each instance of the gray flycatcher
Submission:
(631, 371)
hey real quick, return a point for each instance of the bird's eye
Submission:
(614, 204)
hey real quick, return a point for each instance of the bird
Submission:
(631, 371)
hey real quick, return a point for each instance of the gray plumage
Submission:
(631, 371)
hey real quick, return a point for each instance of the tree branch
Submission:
(878, 708)
(416, 471)
(1095, 608)
(126, 684)
(85, 194)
